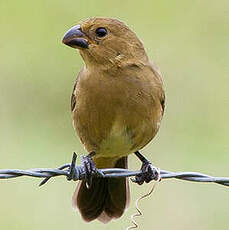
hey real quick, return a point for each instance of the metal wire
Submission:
(139, 212)
(73, 172)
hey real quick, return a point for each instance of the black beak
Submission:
(75, 38)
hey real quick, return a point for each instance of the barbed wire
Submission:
(77, 172)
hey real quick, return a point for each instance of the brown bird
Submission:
(117, 106)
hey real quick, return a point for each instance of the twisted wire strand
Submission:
(77, 172)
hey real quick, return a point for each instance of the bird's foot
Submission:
(148, 171)
(90, 169)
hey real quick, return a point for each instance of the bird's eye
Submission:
(101, 32)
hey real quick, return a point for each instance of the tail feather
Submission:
(115, 203)
(106, 199)
(90, 201)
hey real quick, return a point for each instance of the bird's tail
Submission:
(106, 199)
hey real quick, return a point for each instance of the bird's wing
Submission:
(158, 74)
(162, 100)
(73, 97)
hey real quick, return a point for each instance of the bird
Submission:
(117, 106)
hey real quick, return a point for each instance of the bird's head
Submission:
(105, 41)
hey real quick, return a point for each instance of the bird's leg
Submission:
(148, 171)
(89, 168)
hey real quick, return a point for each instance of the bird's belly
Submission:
(120, 139)
(117, 144)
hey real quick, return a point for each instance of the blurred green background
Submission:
(189, 42)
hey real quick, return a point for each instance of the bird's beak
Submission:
(75, 38)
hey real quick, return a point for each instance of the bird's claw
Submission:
(89, 169)
(148, 173)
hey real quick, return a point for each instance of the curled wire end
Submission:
(139, 212)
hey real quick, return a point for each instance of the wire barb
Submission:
(77, 172)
